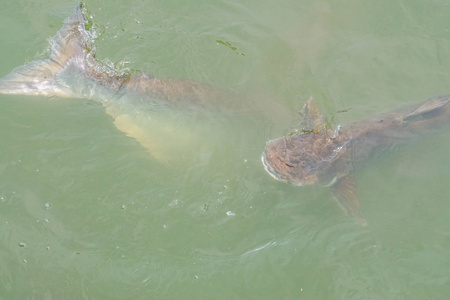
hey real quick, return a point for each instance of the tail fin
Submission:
(42, 77)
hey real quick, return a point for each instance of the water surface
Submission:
(87, 213)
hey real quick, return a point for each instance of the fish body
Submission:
(316, 156)
(131, 99)
(72, 71)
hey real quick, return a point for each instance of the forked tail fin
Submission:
(44, 77)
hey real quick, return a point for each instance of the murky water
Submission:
(87, 213)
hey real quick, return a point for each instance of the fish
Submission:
(72, 71)
(315, 155)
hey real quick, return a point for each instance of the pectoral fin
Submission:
(312, 117)
(344, 192)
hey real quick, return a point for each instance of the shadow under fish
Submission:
(315, 155)
(72, 71)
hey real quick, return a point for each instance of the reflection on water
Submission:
(87, 213)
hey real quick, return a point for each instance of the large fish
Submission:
(72, 71)
(316, 155)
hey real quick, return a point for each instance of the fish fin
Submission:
(167, 143)
(430, 106)
(42, 77)
(344, 192)
(312, 117)
(127, 125)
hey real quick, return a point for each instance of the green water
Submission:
(87, 213)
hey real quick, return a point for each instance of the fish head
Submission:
(305, 159)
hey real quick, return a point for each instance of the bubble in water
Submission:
(230, 213)
(47, 205)
(175, 203)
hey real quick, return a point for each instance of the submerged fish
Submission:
(72, 71)
(316, 156)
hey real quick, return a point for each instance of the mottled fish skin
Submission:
(315, 157)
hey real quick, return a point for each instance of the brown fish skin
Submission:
(315, 157)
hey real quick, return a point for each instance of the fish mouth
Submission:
(269, 169)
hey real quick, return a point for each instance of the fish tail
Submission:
(47, 77)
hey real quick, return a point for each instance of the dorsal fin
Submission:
(312, 117)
